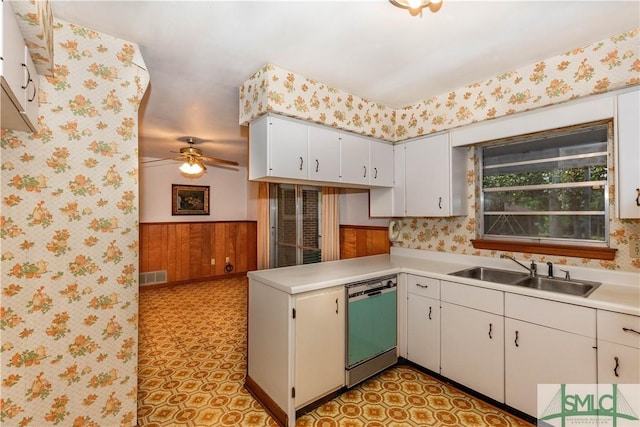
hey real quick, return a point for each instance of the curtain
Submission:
(264, 226)
(330, 245)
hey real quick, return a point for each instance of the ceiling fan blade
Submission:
(214, 160)
(158, 160)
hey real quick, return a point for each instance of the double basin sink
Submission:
(581, 288)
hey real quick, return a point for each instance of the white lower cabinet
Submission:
(618, 364)
(618, 348)
(536, 354)
(546, 342)
(319, 344)
(423, 322)
(472, 338)
(295, 346)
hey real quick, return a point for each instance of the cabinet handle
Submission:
(429, 313)
(637, 196)
(615, 369)
(631, 330)
(26, 85)
(490, 330)
(516, 341)
(337, 305)
(439, 202)
(35, 92)
(375, 173)
(301, 162)
(365, 172)
(317, 165)
(420, 285)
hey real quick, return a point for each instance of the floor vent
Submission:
(153, 277)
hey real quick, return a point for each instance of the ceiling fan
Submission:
(193, 158)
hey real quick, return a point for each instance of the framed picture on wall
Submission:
(189, 199)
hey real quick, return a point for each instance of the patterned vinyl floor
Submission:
(192, 363)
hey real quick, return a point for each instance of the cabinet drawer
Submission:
(558, 315)
(425, 286)
(619, 328)
(488, 300)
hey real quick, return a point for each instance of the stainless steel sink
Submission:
(506, 277)
(573, 287)
(494, 275)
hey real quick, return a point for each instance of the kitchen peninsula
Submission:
(296, 330)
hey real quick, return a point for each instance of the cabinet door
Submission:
(388, 202)
(428, 173)
(381, 163)
(628, 153)
(423, 332)
(618, 364)
(288, 146)
(319, 344)
(32, 86)
(12, 53)
(536, 354)
(324, 154)
(354, 158)
(472, 349)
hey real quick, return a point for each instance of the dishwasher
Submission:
(371, 328)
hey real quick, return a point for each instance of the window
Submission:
(547, 188)
(295, 224)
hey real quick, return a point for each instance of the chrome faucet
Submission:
(533, 270)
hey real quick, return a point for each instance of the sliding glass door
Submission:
(295, 224)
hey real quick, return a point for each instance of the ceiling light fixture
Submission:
(415, 6)
(192, 167)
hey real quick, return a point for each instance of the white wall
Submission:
(354, 209)
(231, 196)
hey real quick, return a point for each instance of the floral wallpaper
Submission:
(273, 89)
(608, 65)
(604, 66)
(69, 236)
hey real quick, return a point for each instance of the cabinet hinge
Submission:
(293, 392)
(293, 313)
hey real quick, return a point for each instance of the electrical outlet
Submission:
(226, 260)
(634, 248)
(213, 261)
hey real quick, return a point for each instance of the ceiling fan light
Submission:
(415, 6)
(192, 168)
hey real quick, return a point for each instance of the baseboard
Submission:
(190, 281)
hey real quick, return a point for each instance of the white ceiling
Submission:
(199, 53)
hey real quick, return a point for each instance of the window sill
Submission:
(590, 252)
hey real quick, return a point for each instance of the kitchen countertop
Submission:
(619, 292)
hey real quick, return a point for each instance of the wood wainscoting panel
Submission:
(358, 241)
(185, 250)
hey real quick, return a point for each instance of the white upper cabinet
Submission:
(381, 164)
(628, 154)
(435, 181)
(282, 149)
(288, 150)
(354, 154)
(19, 78)
(288, 155)
(324, 154)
